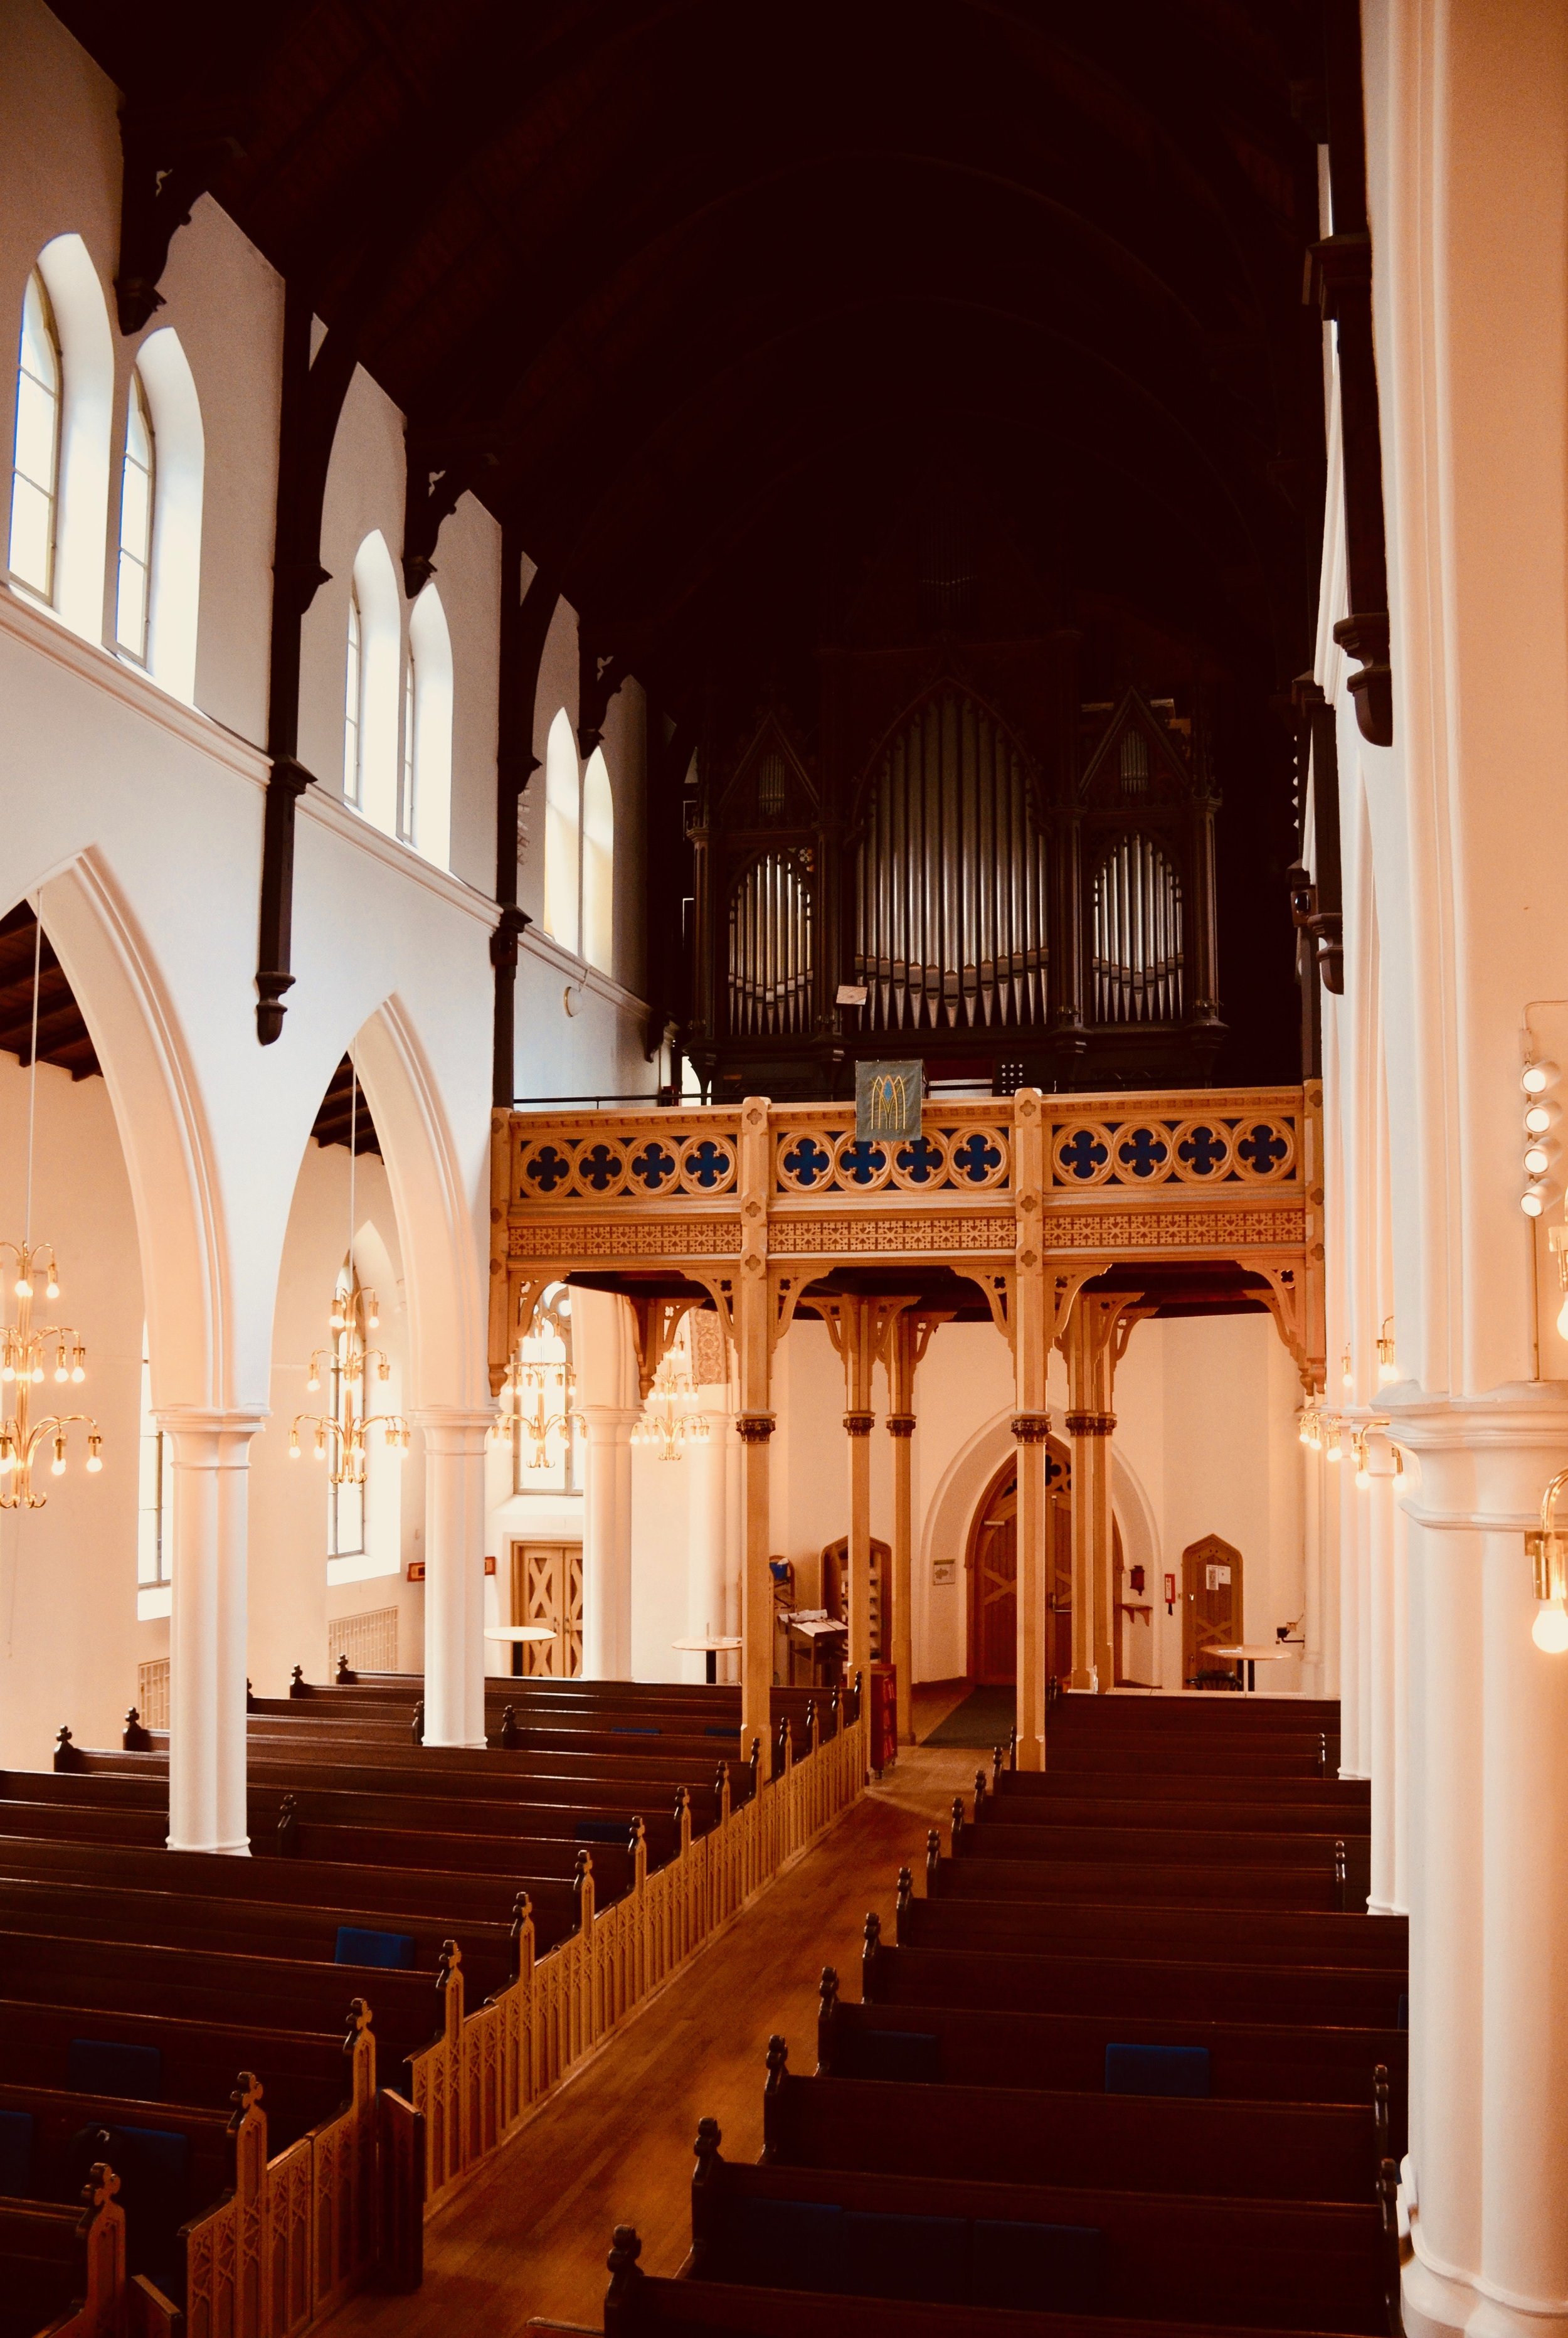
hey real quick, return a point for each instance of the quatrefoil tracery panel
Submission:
(1206, 1149)
(827, 1160)
(608, 1168)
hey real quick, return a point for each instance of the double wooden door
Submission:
(547, 1589)
(994, 1574)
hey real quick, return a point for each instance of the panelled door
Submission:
(1211, 1606)
(994, 1584)
(547, 1589)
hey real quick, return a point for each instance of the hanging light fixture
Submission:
(1387, 1370)
(1549, 1561)
(536, 1395)
(668, 1424)
(30, 1353)
(342, 1437)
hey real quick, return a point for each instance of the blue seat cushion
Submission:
(625, 1729)
(151, 2159)
(94, 2066)
(357, 1946)
(1038, 2268)
(717, 1729)
(909, 2057)
(604, 1830)
(790, 2244)
(16, 2154)
(906, 2256)
(1157, 2069)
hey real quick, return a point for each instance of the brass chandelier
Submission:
(342, 1435)
(26, 1348)
(668, 1425)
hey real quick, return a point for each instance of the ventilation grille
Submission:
(368, 1641)
(153, 1693)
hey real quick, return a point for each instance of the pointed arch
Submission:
(178, 479)
(598, 865)
(378, 605)
(562, 831)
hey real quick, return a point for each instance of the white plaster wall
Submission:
(74, 1563)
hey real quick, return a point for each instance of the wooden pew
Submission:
(1247, 2061)
(1170, 1846)
(1237, 1936)
(1109, 1882)
(1112, 2142)
(1105, 1983)
(1206, 1714)
(62, 2269)
(1264, 1756)
(71, 2130)
(1018, 1794)
(1221, 1808)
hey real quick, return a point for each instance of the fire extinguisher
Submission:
(1170, 1595)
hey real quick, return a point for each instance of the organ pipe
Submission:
(1137, 935)
(950, 887)
(771, 951)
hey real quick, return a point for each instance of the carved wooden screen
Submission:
(1137, 940)
(771, 948)
(950, 920)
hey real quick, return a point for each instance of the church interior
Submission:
(783, 1244)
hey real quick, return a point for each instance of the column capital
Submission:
(900, 1424)
(859, 1424)
(230, 1420)
(1090, 1424)
(1481, 1462)
(754, 1428)
(462, 1423)
(1031, 1428)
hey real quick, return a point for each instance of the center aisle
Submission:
(613, 2146)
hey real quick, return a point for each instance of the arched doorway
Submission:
(993, 1572)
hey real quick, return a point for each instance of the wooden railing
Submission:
(487, 2070)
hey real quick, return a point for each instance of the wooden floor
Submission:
(529, 2235)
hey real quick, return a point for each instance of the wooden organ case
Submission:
(1018, 878)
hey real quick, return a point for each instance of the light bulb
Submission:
(320, 1448)
(94, 1455)
(1538, 1119)
(1363, 1476)
(1331, 1451)
(78, 1373)
(61, 1373)
(57, 1466)
(1537, 1161)
(1387, 1373)
(1535, 1078)
(293, 1448)
(314, 1383)
(7, 1371)
(1532, 1202)
(1550, 1629)
(37, 1375)
(24, 1288)
(50, 1289)
(7, 1460)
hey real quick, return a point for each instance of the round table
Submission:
(520, 1636)
(1266, 1652)
(708, 1645)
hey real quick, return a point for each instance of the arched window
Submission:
(354, 703)
(133, 581)
(405, 803)
(427, 697)
(562, 832)
(771, 948)
(35, 452)
(951, 887)
(165, 411)
(598, 864)
(1137, 934)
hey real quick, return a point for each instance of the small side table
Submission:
(520, 1636)
(708, 1645)
(1264, 1652)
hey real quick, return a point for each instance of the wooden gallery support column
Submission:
(1032, 1327)
(1094, 1339)
(908, 1337)
(753, 1322)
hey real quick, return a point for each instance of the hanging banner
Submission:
(888, 1100)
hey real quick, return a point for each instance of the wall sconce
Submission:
(1387, 1370)
(1535, 1080)
(1363, 1474)
(1548, 1551)
(1347, 1371)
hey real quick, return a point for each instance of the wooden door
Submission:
(1211, 1611)
(1059, 1596)
(547, 1589)
(993, 1583)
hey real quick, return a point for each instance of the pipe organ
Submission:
(962, 856)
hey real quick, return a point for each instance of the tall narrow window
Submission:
(562, 832)
(134, 592)
(598, 864)
(410, 753)
(35, 458)
(354, 706)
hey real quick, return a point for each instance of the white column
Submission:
(708, 1534)
(210, 1459)
(1381, 1750)
(454, 1646)
(1352, 1752)
(1489, 1878)
(607, 1541)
